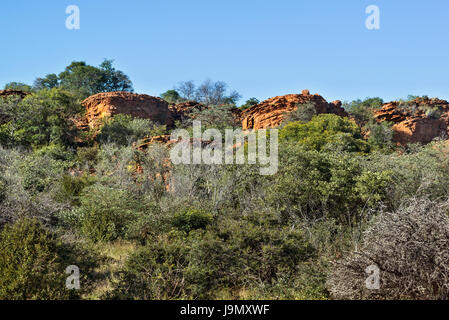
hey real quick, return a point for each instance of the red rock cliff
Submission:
(270, 113)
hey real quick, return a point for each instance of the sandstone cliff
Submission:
(270, 113)
(420, 120)
(109, 104)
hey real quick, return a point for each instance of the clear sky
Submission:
(260, 48)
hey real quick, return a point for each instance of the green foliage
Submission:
(304, 113)
(71, 187)
(310, 185)
(191, 219)
(44, 118)
(105, 212)
(125, 130)
(18, 86)
(249, 103)
(50, 81)
(85, 80)
(236, 254)
(33, 263)
(39, 172)
(172, 96)
(380, 135)
(325, 131)
(363, 110)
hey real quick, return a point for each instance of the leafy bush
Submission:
(44, 118)
(249, 103)
(71, 187)
(124, 130)
(232, 255)
(311, 185)
(362, 111)
(191, 219)
(409, 247)
(104, 213)
(304, 113)
(39, 173)
(325, 130)
(33, 263)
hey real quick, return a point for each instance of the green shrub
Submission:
(191, 219)
(363, 111)
(311, 185)
(325, 131)
(33, 263)
(39, 173)
(124, 130)
(70, 187)
(105, 213)
(234, 255)
(304, 113)
(45, 118)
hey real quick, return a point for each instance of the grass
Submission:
(115, 255)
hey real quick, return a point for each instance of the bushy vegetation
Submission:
(139, 227)
(33, 263)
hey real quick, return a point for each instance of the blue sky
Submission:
(260, 48)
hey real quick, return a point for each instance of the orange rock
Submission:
(19, 93)
(270, 113)
(413, 121)
(143, 106)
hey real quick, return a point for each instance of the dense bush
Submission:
(311, 185)
(125, 130)
(43, 118)
(33, 263)
(105, 212)
(408, 246)
(192, 219)
(233, 255)
(325, 131)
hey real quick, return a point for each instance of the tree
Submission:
(172, 96)
(20, 86)
(363, 110)
(50, 81)
(84, 80)
(44, 118)
(208, 93)
(249, 103)
(114, 80)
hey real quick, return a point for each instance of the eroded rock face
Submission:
(417, 121)
(17, 93)
(183, 110)
(143, 106)
(270, 113)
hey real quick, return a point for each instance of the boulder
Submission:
(143, 106)
(418, 121)
(270, 113)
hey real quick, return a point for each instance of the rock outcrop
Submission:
(270, 113)
(184, 110)
(417, 121)
(17, 93)
(143, 106)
